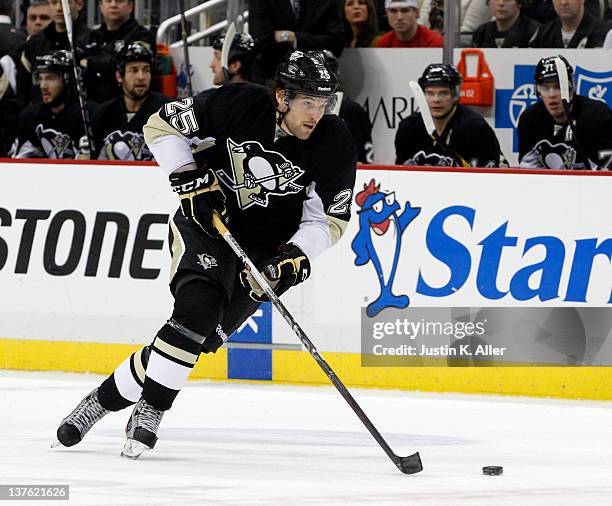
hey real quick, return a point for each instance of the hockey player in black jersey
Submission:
(53, 128)
(465, 132)
(117, 124)
(281, 172)
(545, 138)
(239, 62)
(240, 59)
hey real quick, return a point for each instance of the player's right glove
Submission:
(288, 268)
(200, 195)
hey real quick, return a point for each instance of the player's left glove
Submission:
(288, 268)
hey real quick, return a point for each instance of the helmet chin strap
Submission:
(280, 115)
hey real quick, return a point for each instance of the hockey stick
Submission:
(81, 92)
(407, 465)
(419, 97)
(185, 47)
(225, 50)
(565, 100)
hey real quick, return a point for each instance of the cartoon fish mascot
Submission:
(378, 213)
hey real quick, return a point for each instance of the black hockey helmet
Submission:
(331, 59)
(441, 74)
(308, 73)
(546, 70)
(242, 46)
(134, 52)
(58, 62)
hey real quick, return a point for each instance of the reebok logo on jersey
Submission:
(258, 173)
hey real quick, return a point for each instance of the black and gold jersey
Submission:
(278, 188)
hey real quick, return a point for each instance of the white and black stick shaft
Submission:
(421, 101)
(407, 465)
(565, 100)
(81, 92)
(185, 46)
(225, 50)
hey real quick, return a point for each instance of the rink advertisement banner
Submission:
(83, 251)
(84, 263)
(486, 336)
(425, 238)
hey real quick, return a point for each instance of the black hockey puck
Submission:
(493, 470)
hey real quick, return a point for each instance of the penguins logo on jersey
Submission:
(207, 261)
(119, 45)
(430, 159)
(258, 173)
(555, 156)
(120, 145)
(56, 145)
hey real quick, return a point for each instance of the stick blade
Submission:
(421, 101)
(563, 79)
(411, 464)
(227, 44)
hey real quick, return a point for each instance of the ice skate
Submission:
(141, 430)
(78, 423)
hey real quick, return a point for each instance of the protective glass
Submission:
(440, 95)
(310, 104)
(548, 89)
(47, 75)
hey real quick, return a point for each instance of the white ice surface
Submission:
(236, 443)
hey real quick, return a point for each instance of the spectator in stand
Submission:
(11, 41)
(279, 26)
(435, 16)
(473, 14)
(573, 28)
(546, 141)
(543, 11)
(406, 32)
(51, 39)
(38, 16)
(469, 137)
(510, 27)
(360, 23)
(119, 29)
(355, 116)
(54, 127)
(117, 124)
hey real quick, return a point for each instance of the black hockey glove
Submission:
(200, 195)
(289, 268)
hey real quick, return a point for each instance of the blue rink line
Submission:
(252, 364)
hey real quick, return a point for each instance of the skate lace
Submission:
(87, 413)
(148, 417)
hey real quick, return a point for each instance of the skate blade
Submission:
(133, 449)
